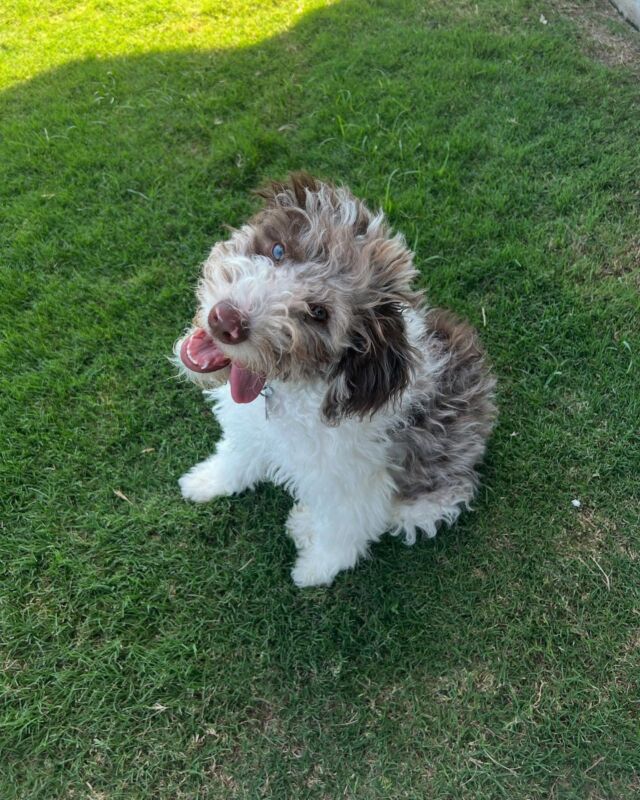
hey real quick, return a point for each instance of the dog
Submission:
(331, 377)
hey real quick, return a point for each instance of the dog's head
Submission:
(314, 286)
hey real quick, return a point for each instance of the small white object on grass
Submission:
(576, 503)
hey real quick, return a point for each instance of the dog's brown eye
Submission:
(277, 251)
(318, 313)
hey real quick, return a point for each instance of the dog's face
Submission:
(313, 286)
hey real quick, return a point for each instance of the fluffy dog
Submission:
(332, 378)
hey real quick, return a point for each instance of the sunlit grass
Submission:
(35, 36)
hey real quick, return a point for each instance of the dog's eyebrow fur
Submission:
(270, 227)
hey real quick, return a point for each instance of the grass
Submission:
(153, 649)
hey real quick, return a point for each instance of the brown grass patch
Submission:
(590, 533)
(624, 262)
(607, 37)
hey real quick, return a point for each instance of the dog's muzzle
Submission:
(228, 324)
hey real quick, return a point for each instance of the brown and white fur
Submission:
(375, 410)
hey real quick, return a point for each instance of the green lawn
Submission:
(154, 649)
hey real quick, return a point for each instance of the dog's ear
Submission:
(378, 361)
(374, 368)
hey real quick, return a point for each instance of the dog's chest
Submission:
(301, 442)
(292, 422)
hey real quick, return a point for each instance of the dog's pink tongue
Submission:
(245, 385)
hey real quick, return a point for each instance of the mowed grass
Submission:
(154, 649)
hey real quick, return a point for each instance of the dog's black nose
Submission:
(228, 324)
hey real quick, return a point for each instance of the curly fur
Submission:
(376, 418)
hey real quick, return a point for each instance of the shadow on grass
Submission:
(492, 152)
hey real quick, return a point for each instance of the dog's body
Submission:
(372, 411)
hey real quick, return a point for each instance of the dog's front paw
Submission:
(306, 574)
(204, 482)
(314, 568)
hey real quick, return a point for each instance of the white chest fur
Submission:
(302, 452)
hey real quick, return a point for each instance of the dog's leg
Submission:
(299, 527)
(240, 460)
(333, 545)
(228, 471)
(332, 536)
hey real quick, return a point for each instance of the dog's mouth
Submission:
(200, 352)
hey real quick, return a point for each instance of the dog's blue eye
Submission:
(277, 251)
(318, 313)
